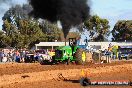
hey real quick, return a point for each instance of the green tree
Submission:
(3, 42)
(122, 31)
(21, 30)
(51, 30)
(30, 32)
(98, 28)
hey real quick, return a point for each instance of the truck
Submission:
(125, 52)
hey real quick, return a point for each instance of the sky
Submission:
(6, 4)
(113, 10)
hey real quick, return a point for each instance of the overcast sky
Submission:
(113, 10)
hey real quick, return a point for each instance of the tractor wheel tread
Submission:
(78, 56)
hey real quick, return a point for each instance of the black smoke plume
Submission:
(69, 12)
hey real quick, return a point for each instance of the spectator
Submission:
(17, 53)
(13, 56)
(86, 41)
(1, 55)
(9, 56)
(18, 58)
(107, 56)
(119, 55)
(23, 55)
(114, 56)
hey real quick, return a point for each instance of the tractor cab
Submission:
(76, 43)
(63, 53)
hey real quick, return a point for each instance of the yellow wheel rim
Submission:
(83, 56)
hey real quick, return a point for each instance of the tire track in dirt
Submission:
(53, 74)
(20, 68)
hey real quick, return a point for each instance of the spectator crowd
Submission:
(12, 55)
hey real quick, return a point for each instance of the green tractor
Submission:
(71, 53)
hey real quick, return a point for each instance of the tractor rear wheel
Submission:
(80, 56)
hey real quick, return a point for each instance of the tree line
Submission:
(19, 30)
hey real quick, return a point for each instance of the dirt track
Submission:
(34, 75)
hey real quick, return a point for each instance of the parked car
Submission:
(43, 56)
(126, 52)
(29, 58)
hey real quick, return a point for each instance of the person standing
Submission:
(23, 55)
(9, 56)
(1, 55)
(114, 56)
(86, 41)
(13, 56)
(119, 55)
(17, 56)
(107, 53)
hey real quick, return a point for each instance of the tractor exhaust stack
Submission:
(65, 41)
